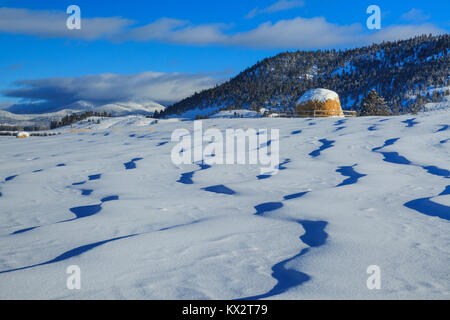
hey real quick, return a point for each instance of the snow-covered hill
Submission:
(131, 108)
(146, 107)
(350, 193)
(397, 70)
(26, 117)
(43, 119)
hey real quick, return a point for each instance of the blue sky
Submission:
(169, 49)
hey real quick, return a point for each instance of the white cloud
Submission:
(278, 6)
(52, 24)
(296, 33)
(158, 30)
(178, 31)
(415, 15)
(401, 32)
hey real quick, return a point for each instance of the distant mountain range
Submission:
(408, 74)
(17, 115)
(117, 109)
(40, 120)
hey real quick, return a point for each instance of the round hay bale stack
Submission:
(319, 103)
(22, 135)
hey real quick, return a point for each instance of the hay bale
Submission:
(22, 135)
(319, 103)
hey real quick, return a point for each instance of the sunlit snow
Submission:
(349, 194)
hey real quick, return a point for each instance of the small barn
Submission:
(320, 103)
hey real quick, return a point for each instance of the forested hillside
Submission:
(406, 73)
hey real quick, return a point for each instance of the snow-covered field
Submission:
(349, 194)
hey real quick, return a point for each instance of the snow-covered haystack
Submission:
(319, 103)
(22, 135)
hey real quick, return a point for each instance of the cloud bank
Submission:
(297, 33)
(52, 24)
(281, 5)
(53, 94)
(415, 15)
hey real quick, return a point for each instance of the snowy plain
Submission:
(350, 193)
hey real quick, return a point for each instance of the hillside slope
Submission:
(402, 72)
(15, 116)
(116, 109)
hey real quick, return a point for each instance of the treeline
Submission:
(22, 128)
(75, 117)
(36, 134)
(400, 71)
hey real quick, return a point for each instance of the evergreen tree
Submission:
(374, 105)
